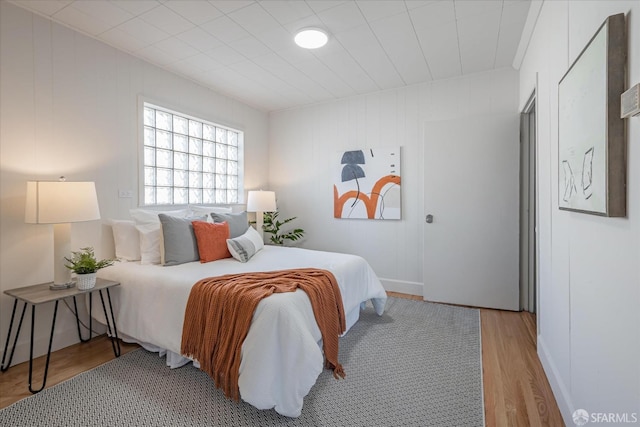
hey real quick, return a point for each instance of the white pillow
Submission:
(148, 225)
(127, 240)
(146, 216)
(150, 242)
(244, 247)
(207, 210)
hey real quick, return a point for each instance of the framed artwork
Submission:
(591, 140)
(367, 184)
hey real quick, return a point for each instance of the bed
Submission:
(282, 354)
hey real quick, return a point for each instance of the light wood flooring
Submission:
(516, 390)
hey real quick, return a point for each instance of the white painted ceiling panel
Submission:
(320, 5)
(48, 7)
(342, 17)
(225, 55)
(146, 33)
(176, 48)
(104, 11)
(434, 14)
(228, 6)
(378, 66)
(249, 47)
(514, 15)
(188, 67)
(166, 19)
(373, 10)
(309, 21)
(203, 62)
(478, 38)
(156, 55)
(320, 73)
(440, 47)
(76, 18)
(199, 39)
(471, 8)
(293, 76)
(342, 64)
(117, 37)
(195, 11)
(254, 19)
(412, 4)
(401, 44)
(136, 7)
(225, 29)
(245, 49)
(287, 11)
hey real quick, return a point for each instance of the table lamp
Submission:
(60, 203)
(260, 202)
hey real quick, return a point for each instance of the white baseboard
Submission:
(404, 287)
(560, 391)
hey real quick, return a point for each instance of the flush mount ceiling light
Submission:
(311, 38)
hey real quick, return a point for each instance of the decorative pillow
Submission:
(126, 239)
(212, 240)
(150, 238)
(238, 222)
(146, 216)
(244, 247)
(148, 225)
(178, 240)
(206, 210)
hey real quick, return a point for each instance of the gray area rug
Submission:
(417, 365)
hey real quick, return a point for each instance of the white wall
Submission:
(589, 277)
(303, 144)
(69, 107)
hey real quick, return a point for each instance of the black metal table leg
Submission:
(114, 335)
(46, 366)
(4, 367)
(75, 306)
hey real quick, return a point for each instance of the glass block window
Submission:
(189, 160)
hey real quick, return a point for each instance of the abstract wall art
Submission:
(591, 142)
(367, 184)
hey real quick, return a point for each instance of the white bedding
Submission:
(281, 355)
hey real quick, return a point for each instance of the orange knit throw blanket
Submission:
(220, 310)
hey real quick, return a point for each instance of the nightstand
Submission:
(41, 294)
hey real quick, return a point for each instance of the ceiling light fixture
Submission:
(311, 38)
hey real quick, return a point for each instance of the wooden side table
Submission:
(41, 294)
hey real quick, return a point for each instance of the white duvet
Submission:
(282, 355)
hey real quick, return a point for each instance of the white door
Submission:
(471, 190)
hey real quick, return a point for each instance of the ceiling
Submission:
(245, 49)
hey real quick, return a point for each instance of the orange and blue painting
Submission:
(367, 184)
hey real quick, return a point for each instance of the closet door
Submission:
(471, 199)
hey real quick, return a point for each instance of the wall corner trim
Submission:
(527, 32)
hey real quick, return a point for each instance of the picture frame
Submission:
(591, 138)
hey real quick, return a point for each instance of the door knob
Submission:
(429, 219)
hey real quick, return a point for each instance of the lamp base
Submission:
(60, 286)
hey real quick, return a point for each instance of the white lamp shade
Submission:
(54, 202)
(261, 201)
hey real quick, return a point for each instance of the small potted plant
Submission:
(85, 265)
(272, 226)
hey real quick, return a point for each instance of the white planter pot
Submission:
(85, 281)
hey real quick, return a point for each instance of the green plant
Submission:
(272, 225)
(84, 261)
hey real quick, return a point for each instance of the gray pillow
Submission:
(238, 222)
(179, 240)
